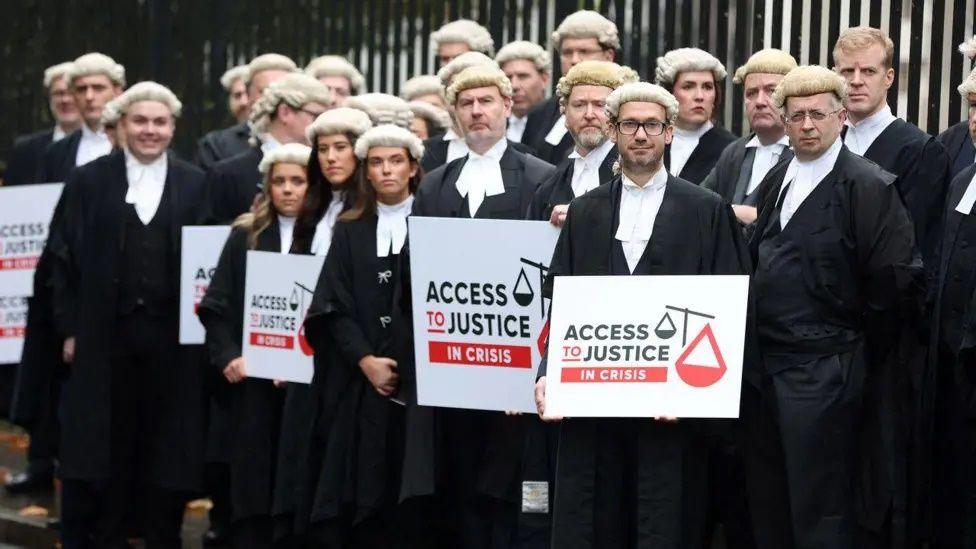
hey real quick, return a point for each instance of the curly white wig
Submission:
(342, 120)
(110, 112)
(269, 62)
(54, 72)
(464, 31)
(148, 90)
(807, 80)
(593, 73)
(682, 60)
(336, 65)
(383, 108)
(643, 92)
(295, 90)
(587, 24)
(437, 118)
(388, 135)
(425, 84)
(461, 62)
(97, 63)
(968, 85)
(478, 76)
(529, 51)
(232, 75)
(767, 61)
(289, 153)
(968, 48)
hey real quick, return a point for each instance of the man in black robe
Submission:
(833, 249)
(584, 35)
(231, 141)
(132, 405)
(638, 482)
(481, 452)
(529, 68)
(864, 57)
(744, 164)
(960, 139)
(695, 77)
(286, 107)
(25, 160)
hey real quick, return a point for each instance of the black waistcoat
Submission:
(145, 263)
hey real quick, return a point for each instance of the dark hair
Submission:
(319, 195)
(366, 203)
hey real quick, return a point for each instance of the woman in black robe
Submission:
(256, 404)
(365, 358)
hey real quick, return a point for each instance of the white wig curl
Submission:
(425, 84)
(807, 80)
(383, 108)
(478, 76)
(529, 51)
(767, 61)
(643, 92)
(388, 135)
(342, 120)
(968, 48)
(461, 62)
(269, 62)
(682, 60)
(289, 153)
(148, 90)
(336, 65)
(232, 75)
(968, 85)
(110, 112)
(587, 24)
(294, 90)
(437, 118)
(464, 31)
(97, 63)
(54, 72)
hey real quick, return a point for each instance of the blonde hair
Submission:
(858, 38)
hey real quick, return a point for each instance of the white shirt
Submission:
(557, 132)
(58, 134)
(481, 176)
(638, 210)
(146, 185)
(860, 136)
(586, 169)
(765, 158)
(391, 226)
(803, 178)
(516, 127)
(323, 230)
(965, 205)
(286, 229)
(456, 146)
(92, 145)
(268, 143)
(683, 144)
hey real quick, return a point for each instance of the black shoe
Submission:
(217, 537)
(27, 483)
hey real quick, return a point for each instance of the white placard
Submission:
(646, 346)
(201, 247)
(25, 219)
(277, 293)
(478, 313)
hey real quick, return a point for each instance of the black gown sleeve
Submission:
(560, 265)
(65, 234)
(338, 298)
(218, 307)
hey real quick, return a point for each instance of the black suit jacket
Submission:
(232, 184)
(59, 158)
(959, 146)
(26, 158)
(435, 152)
(558, 189)
(222, 144)
(731, 174)
(705, 155)
(540, 121)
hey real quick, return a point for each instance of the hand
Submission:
(68, 351)
(558, 217)
(235, 372)
(540, 400)
(666, 419)
(381, 373)
(745, 214)
(279, 383)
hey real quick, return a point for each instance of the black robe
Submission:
(86, 273)
(705, 155)
(435, 152)
(221, 144)
(558, 189)
(731, 174)
(255, 404)
(25, 160)
(959, 146)
(954, 354)
(665, 496)
(837, 286)
(59, 158)
(539, 123)
(232, 185)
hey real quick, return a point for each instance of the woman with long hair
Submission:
(356, 319)
(255, 403)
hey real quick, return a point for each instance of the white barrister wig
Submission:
(425, 84)
(232, 75)
(97, 63)
(111, 113)
(968, 48)
(461, 62)
(529, 51)
(968, 85)
(54, 72)
(342, 120)
(149, 91)
(295, 90)
(587, 24)
(269, 62)
(464, 31)
(594, 73)
(437, 118)
(767, 61)
(478, 76)
(643, 92)
(383, 108)
(388, 135)
(682, 60)
(289, 153)
(336, 65)
(807, 80)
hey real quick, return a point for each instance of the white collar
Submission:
(818, 167)
(286, 231)
(450, 135)
(756, 143)
(59, 134)
(391, 226)
(658, 180)
(879, 119)
(88, 134)
(322, 239)
(696, 133)
(481, 176)
(146, 183)
(268, 143)
(597, 155)
(494, 153)
(515, 119)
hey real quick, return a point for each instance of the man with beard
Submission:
(637, 482)
(582, 95)
(960, 139)
(234, 82)
(528, 66)
(461, 36)
(28, 153)
(341, 76)
(227, 142)
(584, 35)
(743, 164)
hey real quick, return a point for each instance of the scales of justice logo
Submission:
(296, 303)
(524, 294)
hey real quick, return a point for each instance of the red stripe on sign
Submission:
(277, 341)
(13, 331)
(615, 374)
(18, 263)
(480, 354)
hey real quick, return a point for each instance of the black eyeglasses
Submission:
(651, 127)
(798, 118)
(313, 114)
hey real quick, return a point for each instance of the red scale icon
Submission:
(701, 375)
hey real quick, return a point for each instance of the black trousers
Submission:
(99, 514)
(45, 434)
